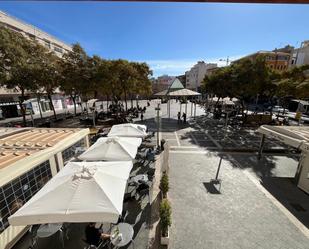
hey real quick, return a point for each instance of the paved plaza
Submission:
(239, 216)
(257, 207)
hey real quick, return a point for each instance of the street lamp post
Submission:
(158, 123)
(227, 60)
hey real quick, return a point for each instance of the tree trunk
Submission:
(217, 102)
(107, 103)
(125, 99)
(22, 108)
(38, 98)
(131, 101)
(52, 105)
(242, 109)
(74, 102)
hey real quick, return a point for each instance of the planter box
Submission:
(162, 197)
(165, 240)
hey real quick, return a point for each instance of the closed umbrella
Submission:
(80, 192)
(112, 149)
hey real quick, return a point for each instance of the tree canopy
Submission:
(25, 65)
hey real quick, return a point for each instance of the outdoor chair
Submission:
(151, 173)
(103, 244)
(142, 190)
(33, 239)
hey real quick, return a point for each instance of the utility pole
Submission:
(227, 60)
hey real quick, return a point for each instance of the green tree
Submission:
(49, 77)
(142, 83)
(75, 73)
(20, 58)
(125, 75)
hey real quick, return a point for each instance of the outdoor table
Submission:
(47, 230)
(127, 232)
(140, 179)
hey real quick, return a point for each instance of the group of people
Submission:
(184, 117)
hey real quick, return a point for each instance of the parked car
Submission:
(278, 108)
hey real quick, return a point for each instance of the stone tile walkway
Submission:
(240, 216)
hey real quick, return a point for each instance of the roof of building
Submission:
(176, 85)
(183, 92)
(17, 143)
(263, 52)
(162, 93)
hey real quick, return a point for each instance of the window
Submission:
(47, 44)
(17, 192)
(282, 58)
(57, 49)
(69, 153)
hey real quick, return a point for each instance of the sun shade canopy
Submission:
(128, 130)
(112, 149)
(80, 192)
(295, 136)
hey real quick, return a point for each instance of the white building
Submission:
(29, 157)
(196, 74)
(32, 32)
(300, 56)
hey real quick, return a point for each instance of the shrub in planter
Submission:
(164, 184)
(165, 216)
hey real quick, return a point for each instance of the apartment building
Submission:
(300, 56)
(196, 74)
(9, 105)
(162, 83)
(275, 60)
(29, 157)
(52, 43)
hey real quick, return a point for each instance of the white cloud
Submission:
(178, 67)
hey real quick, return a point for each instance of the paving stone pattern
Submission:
(239, 217)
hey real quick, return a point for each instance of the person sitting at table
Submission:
(94, 235)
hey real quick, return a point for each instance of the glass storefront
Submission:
(17, 192)
(69, 153)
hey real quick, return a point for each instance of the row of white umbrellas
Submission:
(121, 144)
(87, 191)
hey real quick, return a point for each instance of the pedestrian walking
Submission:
(142, 116)
(184, 116)
(178, 116)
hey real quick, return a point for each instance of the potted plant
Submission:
(165, 220)
(164, 185)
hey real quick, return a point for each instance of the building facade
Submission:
(300, 56)
(196, 74)
(29, 157)
(162, 83)
(32, 32)
(9, 99)
(275, 60)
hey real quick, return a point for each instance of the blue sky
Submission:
(170, 37)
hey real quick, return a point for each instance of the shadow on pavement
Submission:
(211, 187)
(289, 195)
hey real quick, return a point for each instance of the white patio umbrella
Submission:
(80, 192)
(128, 130)
(112, 149)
